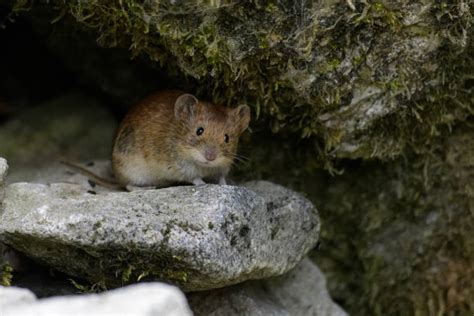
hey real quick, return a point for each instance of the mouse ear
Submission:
(242, 117)
(185, 106)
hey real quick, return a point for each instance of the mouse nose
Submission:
(210, 154)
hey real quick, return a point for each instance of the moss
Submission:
(89, 288)
(390, 230)
(391, 81)
(170, 269)
(99, 269)
(400, 233)
(6, 275)
(301, 64)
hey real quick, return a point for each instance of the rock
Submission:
(14, 296)
(346, 75)
(14, 259)
(143, 299)
(198, 237)
(394, 230)
(3, 174)
(57, 172)
(3, 169)
(5, 275)
(42, 281)
(73, 127)
(302, 291)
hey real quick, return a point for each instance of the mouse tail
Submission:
(108, 183)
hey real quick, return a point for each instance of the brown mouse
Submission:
(172, 137)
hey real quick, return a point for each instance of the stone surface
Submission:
(58, 172)
(3, 174)
(4, 278)
(302, 291)
(143, 299)
(73, 127)
(14, 296)
(3, 169)
(198, 237)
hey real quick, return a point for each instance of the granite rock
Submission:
(200, 238)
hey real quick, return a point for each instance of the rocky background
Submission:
(365, 106)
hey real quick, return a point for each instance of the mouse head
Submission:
(211, 132)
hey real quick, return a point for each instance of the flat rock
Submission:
(302, 291)
(142, 299)
(200, 238)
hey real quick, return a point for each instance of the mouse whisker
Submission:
(240, 157)
(240, 160)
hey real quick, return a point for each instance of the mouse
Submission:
(172, 137)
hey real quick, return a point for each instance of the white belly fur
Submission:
(141, 172)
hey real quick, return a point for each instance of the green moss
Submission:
(390, 230)
(393, 230)
(127, 272)
(6, 275)
(99, 269)
(89, 288)
(299, 63)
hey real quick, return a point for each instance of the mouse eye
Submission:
(199, 131)
(226, 138)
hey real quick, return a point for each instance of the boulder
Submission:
(200, 238)
(394, 230)
(143, 299)
(73, 127)
(302, 291)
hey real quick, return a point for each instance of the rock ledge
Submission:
(196, 237)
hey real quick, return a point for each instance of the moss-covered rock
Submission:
(360, 80)
(401, 233)
(390, 230)
(391, 80)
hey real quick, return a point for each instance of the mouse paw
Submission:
(198, 181)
